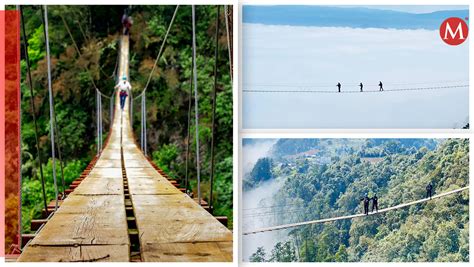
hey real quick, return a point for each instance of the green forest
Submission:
(332, 182)
(84, 52)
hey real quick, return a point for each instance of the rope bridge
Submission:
(347, 217)
(123, 207)
(357, 91)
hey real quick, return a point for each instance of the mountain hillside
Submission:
(436, 231)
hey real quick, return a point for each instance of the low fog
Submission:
(255, 201)
(317, 58)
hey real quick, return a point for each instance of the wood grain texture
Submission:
(91, 220)
(116, 253)
(150, 185)
(175, 218)
(100, 186)
(188, 252)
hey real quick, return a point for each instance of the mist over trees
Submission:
(435, 231)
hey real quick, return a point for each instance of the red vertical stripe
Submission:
(2, 132)
(12, 129)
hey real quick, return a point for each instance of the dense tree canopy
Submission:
(434, 231)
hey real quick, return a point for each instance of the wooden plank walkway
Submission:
(91, 223)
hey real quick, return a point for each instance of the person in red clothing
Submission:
(127, 23)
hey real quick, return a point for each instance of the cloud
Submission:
(325, 55)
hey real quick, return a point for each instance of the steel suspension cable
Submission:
(58, 145)
(141, 124)
(111, 112)
(101, 123)
(99, 117)
(213, 131)
(51, 103)
(403, 205)
(97, 120)
(196, 108)
(186, 181)
(356, 92)
(143, 112)
(130, 112)
(143, 135)
(80, 54)
(161, 49)
(33, 111)
(144, 115)
(229, 45)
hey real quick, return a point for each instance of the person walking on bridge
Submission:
(380, 86)
(366, 201)
(338, 87)
(127, 23)
(124, 87)
(429, 190)
(361, 87)
(375, 203)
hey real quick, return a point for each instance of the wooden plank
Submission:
(105, 172)
(150, 185)
(94, 204)
(134, 163)
(115, 155)
(108, 163)
(95, 219)
(188, 252)
(143, 172)
(108, 253)
(175, 218)
(83, 229)
(100, 186)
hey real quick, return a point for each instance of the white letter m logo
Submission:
(453, 34)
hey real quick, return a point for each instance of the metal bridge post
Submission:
(141, 123)
(100, 121)
(97, 120)
(111, 111)
(144, 122)
(131, 110)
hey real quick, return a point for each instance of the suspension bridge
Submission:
(123, 207)
(352, 216)
(394, 89)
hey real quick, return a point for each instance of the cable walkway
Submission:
(123, 204)
(357, 91)
(291, 225)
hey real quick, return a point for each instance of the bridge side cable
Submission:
(292, 225)
(188, 134)
(196, 107)
(356, 91)
(213, 130)
(33, 111)
(51, 103)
